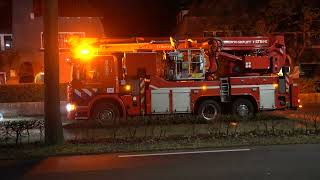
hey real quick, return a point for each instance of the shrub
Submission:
(307, 86)
(16, 128)
(26, 93)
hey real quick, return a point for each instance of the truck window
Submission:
(97, 69)
(189, 64)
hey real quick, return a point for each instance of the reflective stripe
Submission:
(183, 88)
(215, 87)
(252, 77)
(287, 82)
(142, 95)
(81, 118)
(265, 86)
(89, 93)
(142, 86)
(77, 92)
(153, 87)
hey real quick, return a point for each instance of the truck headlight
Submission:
(70, 107)
(126, 89)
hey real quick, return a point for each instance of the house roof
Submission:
(5, 16)
(71, 8)
(226, 8)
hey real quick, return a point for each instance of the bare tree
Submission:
(292, 18)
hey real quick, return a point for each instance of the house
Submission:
(76, 17)
(209, 18)
(5, 30)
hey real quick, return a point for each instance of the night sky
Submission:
(5, 16)
(122, 17)
(139, 17)
(136, 17)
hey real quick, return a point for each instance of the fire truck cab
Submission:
(207, 77)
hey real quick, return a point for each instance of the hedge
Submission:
(307, 86)
(27, 93)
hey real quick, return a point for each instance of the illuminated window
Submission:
(5, 41)
(63, 38)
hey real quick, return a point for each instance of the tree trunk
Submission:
(302, 48)
(53, 125)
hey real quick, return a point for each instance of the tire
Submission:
(106, 114)
(209, 110)
(243, 108)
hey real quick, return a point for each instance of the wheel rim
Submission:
(209, 112)
(243, 110)
(106, 116)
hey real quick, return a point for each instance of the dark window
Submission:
(208, 34)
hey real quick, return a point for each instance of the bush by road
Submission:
(26, 93)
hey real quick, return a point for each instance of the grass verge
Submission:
(30, 151)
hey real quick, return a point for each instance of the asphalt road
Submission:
(266, 162)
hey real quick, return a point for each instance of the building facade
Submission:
(27, 33)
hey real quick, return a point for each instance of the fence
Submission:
(162, 128)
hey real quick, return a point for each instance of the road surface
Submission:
(258, 163)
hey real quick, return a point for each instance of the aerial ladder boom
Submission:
(263, 54)
(107, 46)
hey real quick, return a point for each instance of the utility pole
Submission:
(53, 125)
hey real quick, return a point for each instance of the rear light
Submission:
(299, 100)
(134, 101)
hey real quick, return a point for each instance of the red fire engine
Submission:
(114, 79)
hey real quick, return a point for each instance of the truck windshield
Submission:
(98, 69)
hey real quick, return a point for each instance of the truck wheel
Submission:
(243, 108)
(209, 110)
(106, 114)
